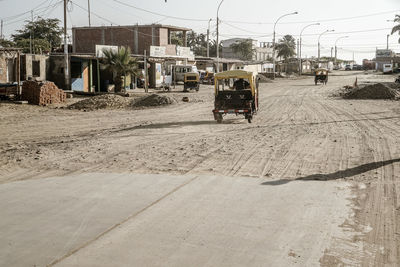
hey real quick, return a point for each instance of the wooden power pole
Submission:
(66, 61)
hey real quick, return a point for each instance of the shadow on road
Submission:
(337, 175)
(176, 124)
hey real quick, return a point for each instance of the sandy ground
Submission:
(301, 133)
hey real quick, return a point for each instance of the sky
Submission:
(366, 22)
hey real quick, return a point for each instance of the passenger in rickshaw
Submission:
(241, 84)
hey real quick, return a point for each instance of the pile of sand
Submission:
(373, 91)
(107, 101)
(154, 100)
(263, 79)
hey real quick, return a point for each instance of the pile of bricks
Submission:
(42, 93)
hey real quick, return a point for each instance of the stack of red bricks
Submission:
(42, 93)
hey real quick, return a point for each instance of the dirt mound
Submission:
(263, 79)
(107, 101)
(373, 91)
(154, 100)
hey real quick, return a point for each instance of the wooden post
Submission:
(18, 74)
(145, 73)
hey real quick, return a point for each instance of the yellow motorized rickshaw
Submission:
(321, 75)
(236, 92)
(191, 81)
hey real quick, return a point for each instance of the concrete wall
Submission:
(3, 69)
(27, 67)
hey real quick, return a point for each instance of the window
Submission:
(35, 68)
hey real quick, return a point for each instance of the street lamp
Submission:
(218, 35)
(273, 40)
(319, 45)
(300, 43)
(336, 46)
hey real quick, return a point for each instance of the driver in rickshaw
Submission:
(241, 84)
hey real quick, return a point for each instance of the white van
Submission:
(387, 68)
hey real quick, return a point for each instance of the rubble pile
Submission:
(42, 93)
(154, 100)
(106, 101)
(373, 91)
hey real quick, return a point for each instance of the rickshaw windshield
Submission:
(232, 84)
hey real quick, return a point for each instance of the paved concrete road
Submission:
(160, 220)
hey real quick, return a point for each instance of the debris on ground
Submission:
(263, 79)
(106, 101)
(154, 100)
(372, 91)
(42, 93)
(185, 99)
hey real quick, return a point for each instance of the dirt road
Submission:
(301, 133)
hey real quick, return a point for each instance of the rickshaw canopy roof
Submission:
(238, 74)
(322, 70)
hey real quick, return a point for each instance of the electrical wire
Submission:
(156, 13)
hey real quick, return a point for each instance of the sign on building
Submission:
(101, 48)
(384, 53)
(158, 51)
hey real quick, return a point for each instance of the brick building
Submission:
(137, 37)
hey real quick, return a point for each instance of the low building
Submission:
(139, 38)
(261, 52)
(384, 57)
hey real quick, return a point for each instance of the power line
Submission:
(158, 14)
(314, 21)
(26, 12)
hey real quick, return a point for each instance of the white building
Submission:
(262, 51)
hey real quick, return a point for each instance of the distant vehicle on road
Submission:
(321, 75)
(387, 68)
(357, 67)
(348, 67)
(191, 81)
(178, 72)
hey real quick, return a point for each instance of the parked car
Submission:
(387, 68)
(348, 67)
(357, 67)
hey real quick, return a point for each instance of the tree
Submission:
(120, 63)
(6, 43)
(286, 47)
(244, 49)
(43, 29)
(39, 45)
(397, 27)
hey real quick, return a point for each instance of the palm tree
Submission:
(120, 63)
(397, 27)
(286, 47)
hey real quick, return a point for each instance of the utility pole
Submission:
(145, 72)
(298, 55)
(30, 35)
(66, 61)
(218, 35)
(331, 53)
(1, 30)
(387, 42)
(208, 38)
(33, 35)
(88, 5)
